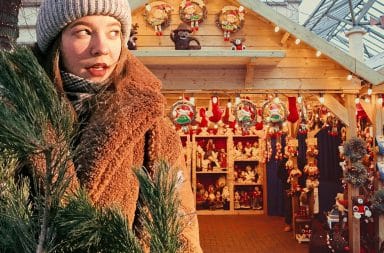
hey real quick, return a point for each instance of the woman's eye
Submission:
(115, 33)
(83, 32)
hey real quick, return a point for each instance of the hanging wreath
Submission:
(378, 202)
(158, 15)
(357, 174)
(193, 12)
(355, 149)
(230, 20)
(183, 113)
(246, 113)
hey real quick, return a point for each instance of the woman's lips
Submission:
(98, 70)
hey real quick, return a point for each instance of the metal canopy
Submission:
(332, 18)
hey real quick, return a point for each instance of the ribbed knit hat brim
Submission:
(55, 15)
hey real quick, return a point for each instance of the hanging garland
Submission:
(158, 15)
(183, 113)
(378, 202)
(245, 113)
(193, 12)
(230, 19)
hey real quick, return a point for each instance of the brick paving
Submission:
(246, 234)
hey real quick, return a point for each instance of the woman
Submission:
(117, 101)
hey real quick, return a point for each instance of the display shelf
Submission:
(226, 176)
(207, 57)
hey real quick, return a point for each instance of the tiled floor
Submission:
(246, 234)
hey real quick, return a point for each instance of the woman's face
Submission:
(90, 47)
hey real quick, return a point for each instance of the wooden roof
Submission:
(348, 62)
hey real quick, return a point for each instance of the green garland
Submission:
(355, 149)
(378, 202)
(357, 174)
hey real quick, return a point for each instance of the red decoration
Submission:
(216, 111)
(292, 108)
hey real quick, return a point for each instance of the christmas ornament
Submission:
(193, 12)
(215, 112)
(360, 208)
(356, 174)
(183, 113)
(274, 114)
(230, 20)
(245, 113)
(292, 108)
(354, 149)
(158, 15)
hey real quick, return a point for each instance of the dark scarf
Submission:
(82, 93)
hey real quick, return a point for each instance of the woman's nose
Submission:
(99, 45)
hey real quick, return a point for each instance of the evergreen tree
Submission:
(36, 126)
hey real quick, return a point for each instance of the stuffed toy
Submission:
(292, 108)
(132, 37)
(237, 44)
(341, 203)
(360, 209)
(182, 39)
(230, 20)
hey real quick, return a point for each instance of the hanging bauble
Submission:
(193, 12)
(245, 113)
(183, 113)
(158, 15)
(230, 20)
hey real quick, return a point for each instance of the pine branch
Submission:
(160, 208)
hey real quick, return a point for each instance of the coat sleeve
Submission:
(166, 144)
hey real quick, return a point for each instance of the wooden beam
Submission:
(369, 109)
(284, 38)
(350, 63)
(209, 53)
(336, 108)
(353, 223)
(249, 76)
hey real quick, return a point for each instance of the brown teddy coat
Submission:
(129, 130)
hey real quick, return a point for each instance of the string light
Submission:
(367, 99)
(297, 41)
(380, 99)
(192, 100)
(276, 99)
(349, 77)
(299, 99)
(277, 28)
(357, 99)
(321, 99)
(318, 53)
(237, 100)
(369, 90)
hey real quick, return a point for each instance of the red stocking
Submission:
(293, 113)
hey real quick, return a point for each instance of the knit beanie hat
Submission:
(54, 15)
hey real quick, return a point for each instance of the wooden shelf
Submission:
(211, 172)
(209, 57)
(245, 184)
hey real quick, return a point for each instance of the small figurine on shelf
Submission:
(238, 151)
(248, 150)
(249, 175)
(199, 158)
(257, 198)
(182, 39)
(158, 15)
(255, 150)
(218, 201)
(244, 200)
(237, 44)
(236, 200)
(132, 37)
(225, 197)
(211, 196)
(222, 158)
(193, 12)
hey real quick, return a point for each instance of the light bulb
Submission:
(357, 100)
(276, 100)
(380, 100)
(229, 104)
(349, 77)
(277, 28)
(299, 99)
(192, 100)
(237, 100)
(297, 41)
(318, 53)
(321, 99)
(367, 99)
(369, 90)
